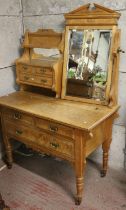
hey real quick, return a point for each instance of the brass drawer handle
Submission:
(43, 70)
(17, 116)
(18, 132)
(25, 67)
(43, 80)
(26, 78)
(53, 128)
(54, 145)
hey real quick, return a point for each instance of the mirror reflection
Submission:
(88, 63)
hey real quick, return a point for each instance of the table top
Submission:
(74, 114)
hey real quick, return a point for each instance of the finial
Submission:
(91, 7)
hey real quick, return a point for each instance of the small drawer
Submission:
(17, 116)
(27, 78)
(44, 81)
(57, 145)
(43, 71)
(22, 68)
(54, 127)
(21, 132)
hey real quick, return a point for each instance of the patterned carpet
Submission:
(47, 184)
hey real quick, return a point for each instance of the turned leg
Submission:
(105, 162)
(106, 145)
(79, 164)
(7, 145)
(9, 158)
(8, 151)
(79, 186)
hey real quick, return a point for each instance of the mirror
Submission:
(87, 66)
(47, 52)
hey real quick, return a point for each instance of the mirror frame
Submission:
(83, 19)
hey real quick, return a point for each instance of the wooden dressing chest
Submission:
(67, 126)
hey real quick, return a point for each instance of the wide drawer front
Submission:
(57, 144)
(21, 132)
(52, 143)
(17, 117)
(54, 127)
(41, 81)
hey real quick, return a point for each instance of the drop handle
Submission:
(53, 128)
(43, 70)
(17, 116)
(26, 78)
(25, 67)
(43, 80)
(19, 132)
(54, 145)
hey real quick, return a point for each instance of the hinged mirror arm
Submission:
(113, 100)
(119, 50)
(113, 96)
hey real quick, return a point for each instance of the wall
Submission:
(49, 14)
(10, 34)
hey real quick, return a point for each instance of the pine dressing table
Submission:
(74, 123)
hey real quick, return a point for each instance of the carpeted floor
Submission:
(43, 183)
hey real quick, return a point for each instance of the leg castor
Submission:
(9, 165)
(78, 201)
(103, 173)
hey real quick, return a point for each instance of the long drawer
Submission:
(17, 116)
(19, 131)
(54, 127)
(54, 144)
(41, 81)
(57, 144)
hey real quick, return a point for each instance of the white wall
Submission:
(49, 14)
(10, 34)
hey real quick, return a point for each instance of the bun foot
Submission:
(103, 173)
(78, 201)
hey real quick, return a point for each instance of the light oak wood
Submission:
(70, 128)
(38, 70)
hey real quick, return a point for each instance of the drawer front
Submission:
(17, 117)
(57, 144)
(54, 127)
(41, 81)
(22, 68)
(43, 71)
(19, 131)
(44, 81)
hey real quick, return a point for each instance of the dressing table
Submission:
(79, 117)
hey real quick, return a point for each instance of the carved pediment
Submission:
(89, 10)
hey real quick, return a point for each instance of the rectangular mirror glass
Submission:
(87, 66)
